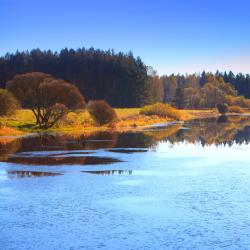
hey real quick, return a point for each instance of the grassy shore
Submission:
(81, 122)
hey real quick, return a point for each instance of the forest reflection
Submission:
(29, 174)
(109, 172)
(59, 149)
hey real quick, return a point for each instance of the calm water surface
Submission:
(182, 186)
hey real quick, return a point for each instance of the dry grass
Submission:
(129, 112)
(9, 131)
(81, 122)
(198, 114)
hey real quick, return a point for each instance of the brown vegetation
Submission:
(235, 109)
(49, 99)
(101, 112)
(8, 103)
(162, 110)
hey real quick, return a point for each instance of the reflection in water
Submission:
(127, 151)
(72, 153)
(109, 172)
(222, 119)
(236, 129)
(213, 131)
(88, 160)
(29, 174)
(58, 141)
(175, 197)
(8, 145)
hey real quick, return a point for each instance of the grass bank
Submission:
(81, 122)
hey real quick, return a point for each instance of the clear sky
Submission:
(170, 35)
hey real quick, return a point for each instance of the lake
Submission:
(177, 186)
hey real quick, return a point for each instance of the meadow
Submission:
(80, 121)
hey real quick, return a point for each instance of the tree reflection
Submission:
(78, 149)
(211, 131)
(29, 174)
(109, 172)
(8, 146)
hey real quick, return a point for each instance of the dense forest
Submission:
(125, 81)
(121, 79)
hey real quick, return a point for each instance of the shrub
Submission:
(229, 99)
(237, 101)
(101, 112)
(222, 108)
(8, 103)
(235, 109)
(163, 110)
(240, 101)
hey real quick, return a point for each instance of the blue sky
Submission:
(171, 35)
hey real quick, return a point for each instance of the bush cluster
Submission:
(235, 109)
(237, 101)
(161, 109)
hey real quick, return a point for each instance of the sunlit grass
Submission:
(81, 122)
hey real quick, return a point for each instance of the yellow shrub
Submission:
(161, 109)
(235, 109)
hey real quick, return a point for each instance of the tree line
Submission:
(125, 81)
(118, 78)
(207, 89)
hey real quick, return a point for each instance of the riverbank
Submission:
(81, 122)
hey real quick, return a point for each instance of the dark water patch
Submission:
(58, 141)
(29, 174)
(72, 153)
(57, 153)
(98, 140)
(109, 172)
(100, 160)
(86, 160)
(128, 151)
(184, 128)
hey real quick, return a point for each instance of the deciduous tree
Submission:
(48, 98)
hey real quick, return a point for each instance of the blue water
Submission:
(179, 195)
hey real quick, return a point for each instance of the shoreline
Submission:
(131, 121)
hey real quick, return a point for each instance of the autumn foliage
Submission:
(101, 112)
(162, 110)
(49, 99)
(8, 103)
